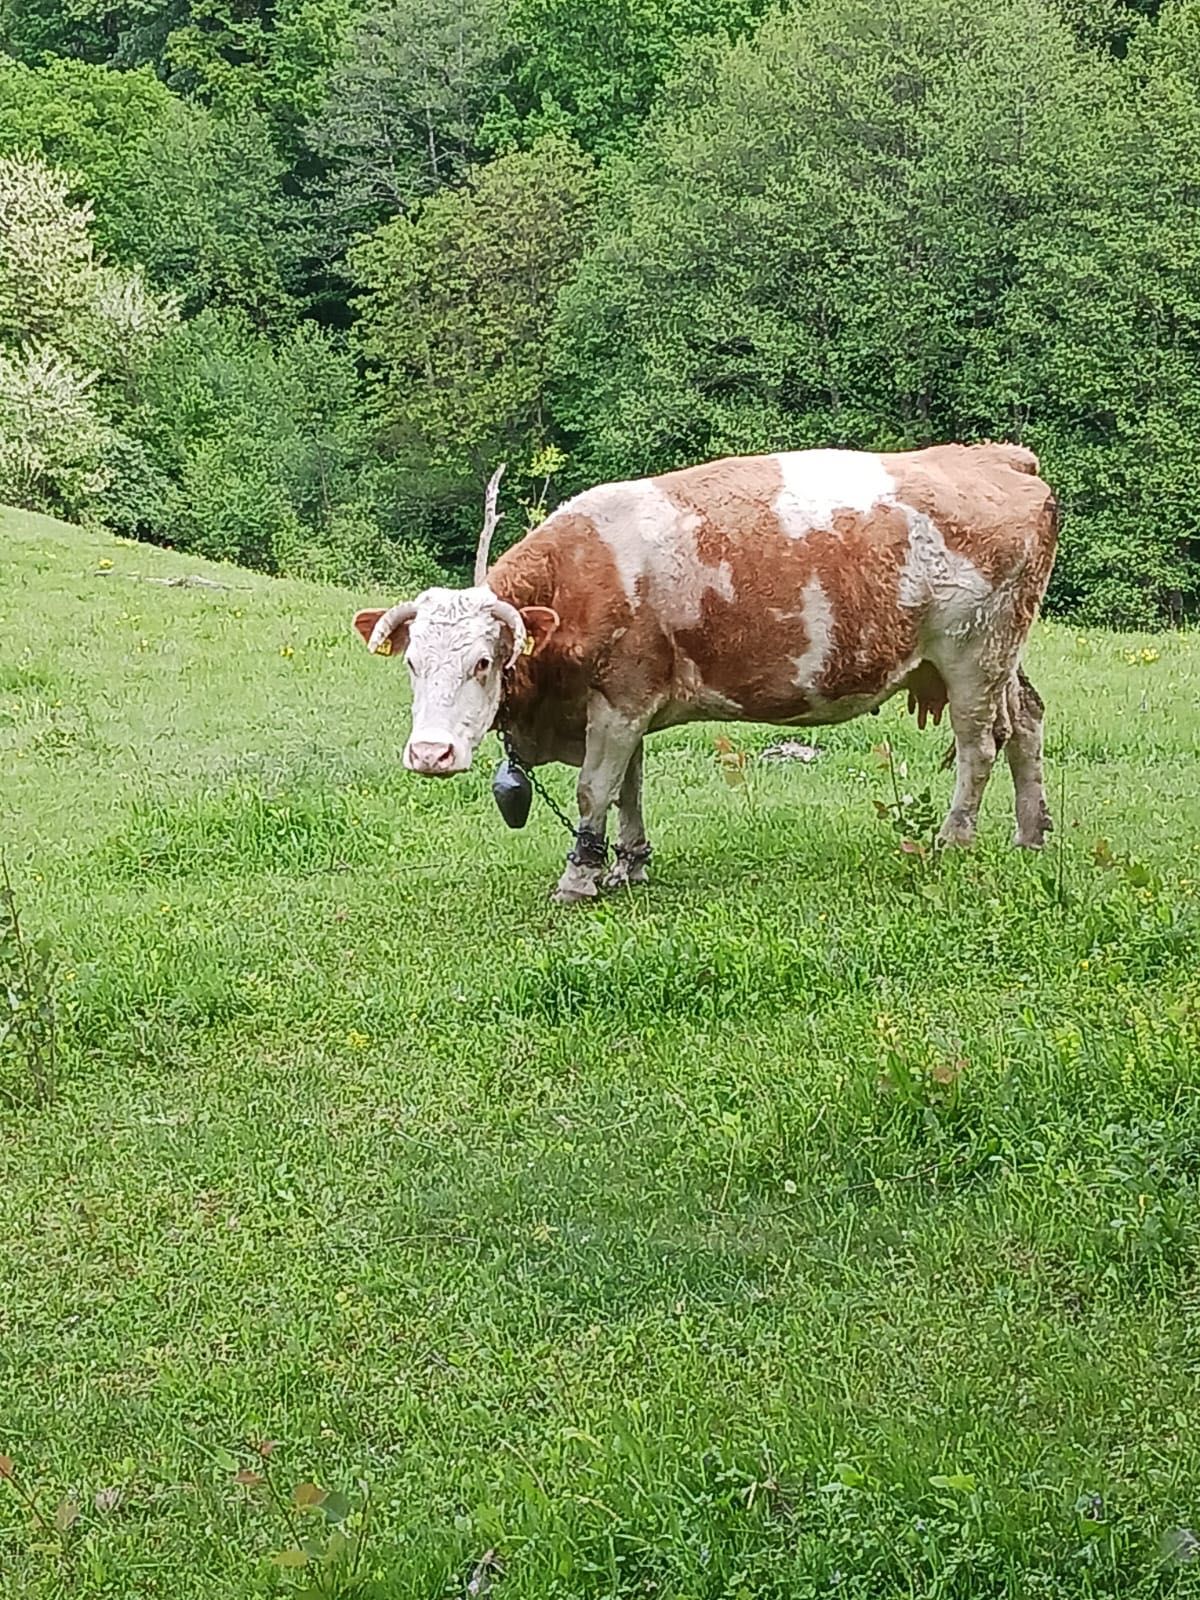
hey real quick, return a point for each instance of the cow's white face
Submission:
(458, 644)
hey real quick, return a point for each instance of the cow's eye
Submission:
(483, 666)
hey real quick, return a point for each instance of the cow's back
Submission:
(676, 535)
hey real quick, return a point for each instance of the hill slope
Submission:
(607, 1240)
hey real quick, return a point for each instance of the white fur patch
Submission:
(653, 542)
(818, 625)
(817, 484)
(941, 579)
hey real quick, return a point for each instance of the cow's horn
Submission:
(490, 518)
(389, 622)
(511, 618)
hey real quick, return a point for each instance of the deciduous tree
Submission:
(456, 303)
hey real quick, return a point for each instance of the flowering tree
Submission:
(71, 328)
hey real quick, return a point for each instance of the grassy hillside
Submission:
(817, 1221)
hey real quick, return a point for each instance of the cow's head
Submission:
(458, 643)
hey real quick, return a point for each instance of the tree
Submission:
(404, 109)
(202, 208)
(271, 56)
(191, 196)
(56, 450)
(47, 270)
(308, 40)
(592, 71)
(72, 333)
(1111, 24)
(1110, 356)
(813, 246)
(84, 120)
(455, 306)
(881, 227)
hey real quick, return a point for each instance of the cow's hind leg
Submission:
(633, 849)
(1024, 754)
(977, 714)
(612, 742)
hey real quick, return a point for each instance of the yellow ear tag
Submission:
(527, 647)
(384, 648)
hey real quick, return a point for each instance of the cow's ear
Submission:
(540, 624)
(397, 642)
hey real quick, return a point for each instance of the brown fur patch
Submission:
(859, 565)
(746, 649)
(565, 566)
(983, 500)
(741, 649)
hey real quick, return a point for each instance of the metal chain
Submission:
(589, 849)
(536, 784)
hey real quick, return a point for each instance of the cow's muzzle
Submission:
(436, 758)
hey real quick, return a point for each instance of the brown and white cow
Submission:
(793, 589)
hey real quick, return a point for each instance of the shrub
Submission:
(56, 452)
(267, 454)
(46, 255)
(228, 505)
(353, 550)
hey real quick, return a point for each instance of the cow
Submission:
(795, 589)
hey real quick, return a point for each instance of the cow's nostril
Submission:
(431, 757)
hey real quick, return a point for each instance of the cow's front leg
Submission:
(612, 742)
(633, 849)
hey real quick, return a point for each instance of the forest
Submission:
(281, 283)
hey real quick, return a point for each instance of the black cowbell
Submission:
(513, 794)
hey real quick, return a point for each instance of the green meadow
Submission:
(821, 1220)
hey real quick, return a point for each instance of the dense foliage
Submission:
(281, 283)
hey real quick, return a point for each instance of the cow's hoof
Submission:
(956, 833)
(1031, 834)
(623, 878)
(576, 884)
(628, 866)
(955, 839)
(573, 897)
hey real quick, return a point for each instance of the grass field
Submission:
(820, 1221)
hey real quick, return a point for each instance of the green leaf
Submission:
(290, 1558)
(956, 1482)
(336, 1507)
(66, 1515)
(339, 1548)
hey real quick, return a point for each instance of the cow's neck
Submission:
(520, 701)
(544, 705)
(542, 710)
